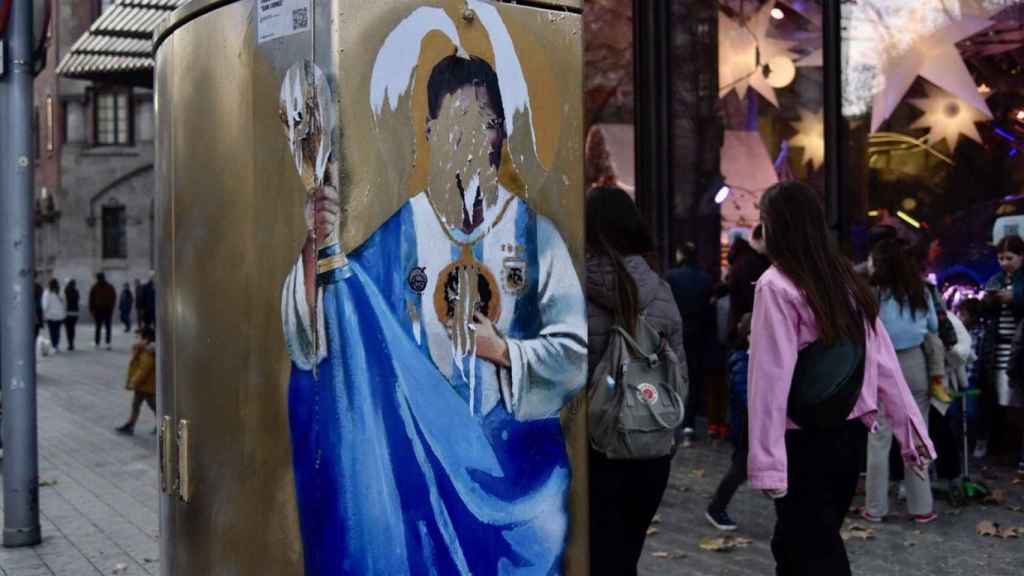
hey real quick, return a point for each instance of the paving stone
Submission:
(99, 507)
(946, 547)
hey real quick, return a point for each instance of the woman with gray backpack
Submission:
(636, 381)
(821, 368)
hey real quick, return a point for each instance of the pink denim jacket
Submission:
(781, 326)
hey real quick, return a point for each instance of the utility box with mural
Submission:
(372, 330)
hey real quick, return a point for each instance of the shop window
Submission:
(115, 229)
(113, 118)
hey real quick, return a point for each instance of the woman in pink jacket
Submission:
(810, 293)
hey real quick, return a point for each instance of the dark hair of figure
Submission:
(1012, 244)
(615, 229)
(803, 248)
(898, 272)
(454, 72)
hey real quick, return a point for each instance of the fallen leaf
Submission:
(47, 483)
(724, 543)
(120, 568)
(993, 529)
(656, 519)
(987, 528)
(858, 532)
(652, 531)
(1018, 480)
(698, 473)
(997, 497)
(1015, 508)
(910, 543)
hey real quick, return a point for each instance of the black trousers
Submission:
(736, 475)
(823, 471)
(69, 326)
(54, 327)
(126, 319)
(101, 323)
(695, 351)
(624, 497)
(940, 429)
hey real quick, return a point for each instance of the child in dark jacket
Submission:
(737, 474)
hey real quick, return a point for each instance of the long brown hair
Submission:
(615, 229)
(801, 247)
(897, 272)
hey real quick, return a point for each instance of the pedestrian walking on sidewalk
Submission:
(908, 313)
(102, 299)
(738, 366)
(691, 287)
(812, 296)
(71, 299)
(621, 288)
(54, 311)
(141, 378)
(125, 305)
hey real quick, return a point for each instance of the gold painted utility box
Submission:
(372, 331)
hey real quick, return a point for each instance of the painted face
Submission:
(1010, 262)
(465, 153)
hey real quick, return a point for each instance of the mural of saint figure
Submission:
(424, 409)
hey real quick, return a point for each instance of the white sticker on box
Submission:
(279, 18)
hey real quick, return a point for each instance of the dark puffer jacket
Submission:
(656, 302)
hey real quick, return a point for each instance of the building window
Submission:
(113, 118)
(115, 242)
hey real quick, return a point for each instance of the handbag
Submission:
(827, 381)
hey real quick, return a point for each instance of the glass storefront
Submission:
(931, 94)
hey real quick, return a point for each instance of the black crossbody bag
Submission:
(826, 384)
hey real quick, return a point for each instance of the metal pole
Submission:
(21, 458)
(836, 154)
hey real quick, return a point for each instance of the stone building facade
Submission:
(95, 181)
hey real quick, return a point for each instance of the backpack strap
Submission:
(651, 358)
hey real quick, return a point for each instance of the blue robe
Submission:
(394, 473)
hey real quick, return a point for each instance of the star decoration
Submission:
(947, 117)
(935, 58)
(739, 48)
(811, 137)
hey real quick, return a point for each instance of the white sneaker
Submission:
(980, 449)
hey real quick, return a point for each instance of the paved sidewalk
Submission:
(98, 494)
(949, 546)
(100, 508)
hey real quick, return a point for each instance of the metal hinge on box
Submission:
(176, 459)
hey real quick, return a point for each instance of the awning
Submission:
(118, 47)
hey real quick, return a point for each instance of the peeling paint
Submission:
(463, 177)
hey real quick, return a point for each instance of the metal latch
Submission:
(166, 455)
(184, 480)
(176, 459)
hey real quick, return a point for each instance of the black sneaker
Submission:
(127, 429)
(720, 520)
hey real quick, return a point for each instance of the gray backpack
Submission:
(636, 396)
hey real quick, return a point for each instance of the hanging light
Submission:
(778, 14)
(780, 72)
(722, 193)
(908, 219)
